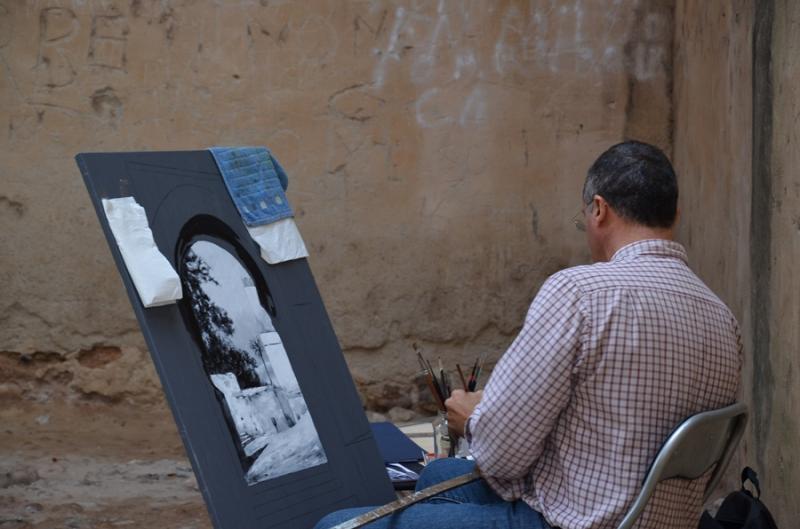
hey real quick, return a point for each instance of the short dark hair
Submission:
(638, 182)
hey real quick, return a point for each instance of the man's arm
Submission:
(531, 384)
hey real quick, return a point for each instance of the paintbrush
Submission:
(461, 374)
(433, 384)
(422, 362)
(471, 384)
(435, 392)
(480, 368)
(442, 381)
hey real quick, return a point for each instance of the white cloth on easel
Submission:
(154, 278)
(279, 241)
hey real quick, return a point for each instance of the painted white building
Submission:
(257, 413)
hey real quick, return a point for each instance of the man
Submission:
(611, 357)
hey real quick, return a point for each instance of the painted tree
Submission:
(259, 351)
(219, 354)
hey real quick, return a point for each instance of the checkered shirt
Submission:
(611, 357)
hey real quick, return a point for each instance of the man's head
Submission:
(630, 193)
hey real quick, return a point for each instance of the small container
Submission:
(462, 450)
(442, 445)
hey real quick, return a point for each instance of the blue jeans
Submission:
(471, 506)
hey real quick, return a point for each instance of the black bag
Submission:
(740, 509)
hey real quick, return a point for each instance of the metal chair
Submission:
(689, 452)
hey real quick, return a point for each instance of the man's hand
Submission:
(460, 406)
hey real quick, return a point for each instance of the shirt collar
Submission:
(653, 247)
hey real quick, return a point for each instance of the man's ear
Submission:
(599, 211)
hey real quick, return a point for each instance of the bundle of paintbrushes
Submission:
(475, 374)
(438, 383)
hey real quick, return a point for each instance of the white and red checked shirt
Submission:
(611, 358)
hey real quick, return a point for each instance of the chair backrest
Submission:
(690, 451)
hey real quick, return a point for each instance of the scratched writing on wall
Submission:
(439, 48)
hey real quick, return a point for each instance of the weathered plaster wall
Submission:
(712, 155)
(435, 149)
(776, 392)
(713, 142)
(736, 105)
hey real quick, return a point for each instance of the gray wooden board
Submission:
(184, 197)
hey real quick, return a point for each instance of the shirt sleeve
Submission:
(529, 387)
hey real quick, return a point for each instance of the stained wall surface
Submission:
(713, 143)
(436, 152)
(736, 104)
(776, 244)
(712, 104)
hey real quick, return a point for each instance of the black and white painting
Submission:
(248, 367)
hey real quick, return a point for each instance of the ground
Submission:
(98, 464)
(92, 465)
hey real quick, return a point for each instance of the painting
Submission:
(248, 359)
(248, 367)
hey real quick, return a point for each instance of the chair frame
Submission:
(699, 442)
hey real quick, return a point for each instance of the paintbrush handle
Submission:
(461, 375)
(436, 396)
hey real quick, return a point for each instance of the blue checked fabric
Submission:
(256, 183)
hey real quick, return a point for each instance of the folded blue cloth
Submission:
(256, 183)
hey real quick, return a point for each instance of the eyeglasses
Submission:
(578, 219)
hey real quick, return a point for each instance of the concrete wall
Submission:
(435, 149)
(776, 248)
(737, 103)
(712, 102)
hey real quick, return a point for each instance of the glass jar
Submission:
(442, 445)
(462, 449)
